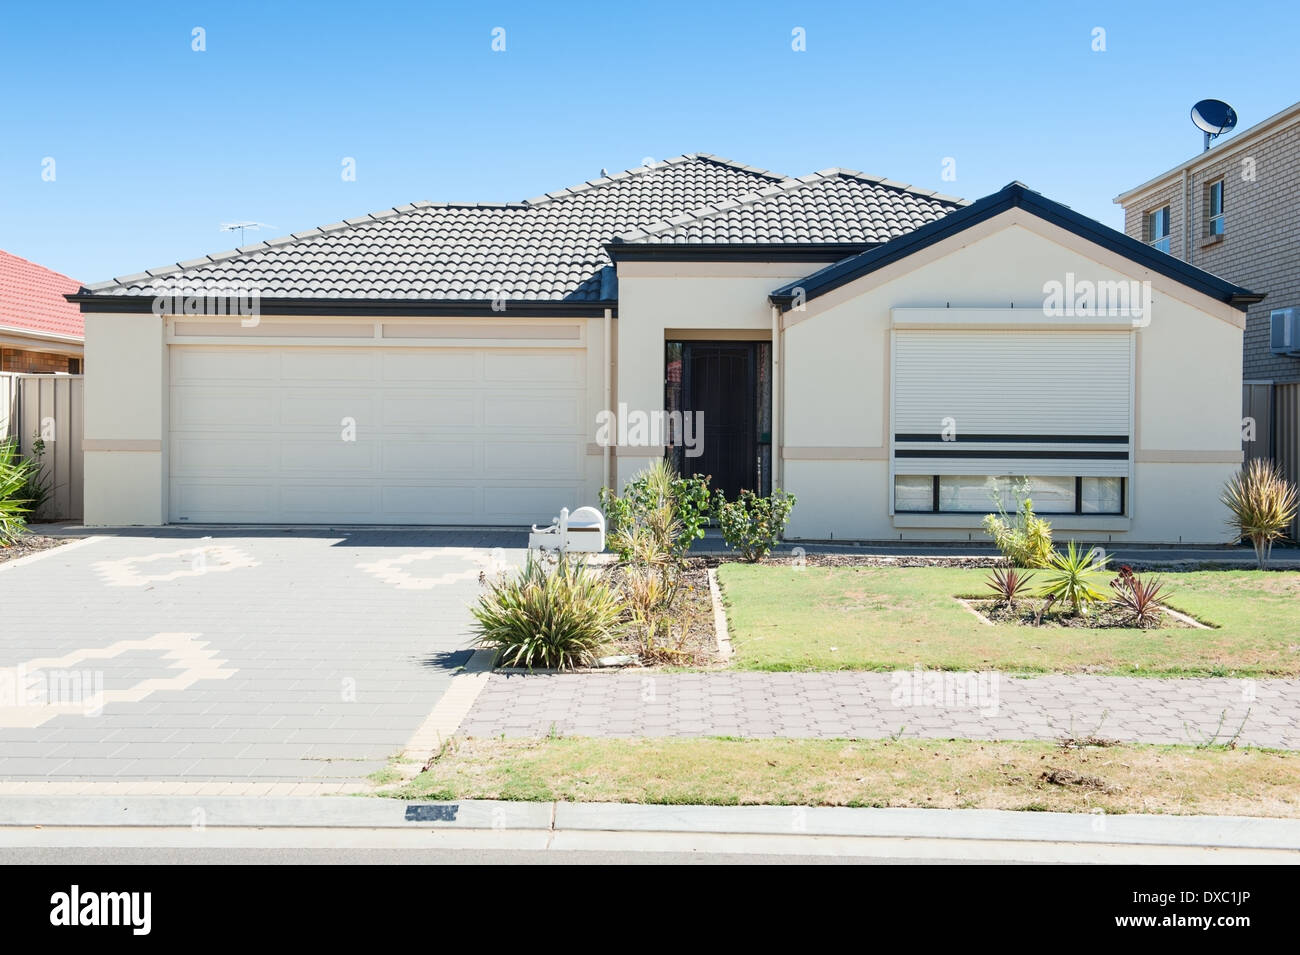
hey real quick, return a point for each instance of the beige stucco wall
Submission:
(125, 420)
(837, 366)
(654, 297)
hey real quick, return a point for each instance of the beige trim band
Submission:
(120, 444)
(835, 454)
(1188, 457)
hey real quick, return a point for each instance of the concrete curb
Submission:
(720, 630)
(196, 813)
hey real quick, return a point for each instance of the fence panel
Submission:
(49, 408)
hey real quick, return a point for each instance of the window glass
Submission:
(979, 493)
(1216, 208)
(1103, 495)
(1158, 228)
(913, 492)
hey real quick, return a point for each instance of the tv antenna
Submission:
(1213, 117)
(241, 226)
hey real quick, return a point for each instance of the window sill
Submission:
(1059, 522)
(1210, 240)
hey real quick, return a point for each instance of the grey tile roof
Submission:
(831, 206)
(552, 247)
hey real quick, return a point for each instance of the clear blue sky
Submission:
(155, 145)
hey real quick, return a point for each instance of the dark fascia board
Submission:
(734, 251)
(352, 306)
(1014, 195)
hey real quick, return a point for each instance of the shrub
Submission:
(1008, 585)
(1075, 577)
(1139, 599)
(1263, 504)
(558, 618)
(36, 490)
(659, 502)
(752, 525)
(1025, 539)
(15, 506)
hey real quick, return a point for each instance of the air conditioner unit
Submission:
(1284, 331)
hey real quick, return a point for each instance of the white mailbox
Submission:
(580, 532)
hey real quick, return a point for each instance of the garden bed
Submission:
(1037, 612)
(29, 544)
(694, 642)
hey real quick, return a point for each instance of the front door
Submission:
(720, 382)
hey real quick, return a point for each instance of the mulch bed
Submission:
(1026, 613)
(693, 610)
(29, 544)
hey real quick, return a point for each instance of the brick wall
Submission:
(37, 362)
(1260, 248)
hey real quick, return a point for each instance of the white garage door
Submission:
(375, 435)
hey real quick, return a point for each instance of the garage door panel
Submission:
(223, 500)
(443, 435)
(325, 408)
(315, 503)
(428, 458)
(552, 413)
(329, 364)
(542, 457)
(442, 504)
(430, 367)
(530, 369)
(527, 503)
(346, 459)
(224, 365)
(241, 409)
(428, 410)
(221, 456)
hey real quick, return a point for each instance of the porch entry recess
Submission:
(974, 410)
(727, 386)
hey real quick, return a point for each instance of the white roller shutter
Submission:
(1012, 402)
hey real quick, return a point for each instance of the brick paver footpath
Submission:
(876, 705)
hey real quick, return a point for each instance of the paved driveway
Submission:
(255, 657)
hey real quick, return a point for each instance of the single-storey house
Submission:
(881, 351)
(41, 332)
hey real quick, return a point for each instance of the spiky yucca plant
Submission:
(1140, 599)
(1262, 503)
(1008, 585)
(15, 477)
(558, 619)
(1075, 576)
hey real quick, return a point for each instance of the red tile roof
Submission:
(31, 299)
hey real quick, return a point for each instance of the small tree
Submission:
(1262, 504)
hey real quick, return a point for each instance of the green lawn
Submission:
(883, 618)
(953, 774)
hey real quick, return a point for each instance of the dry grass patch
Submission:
(951, 774)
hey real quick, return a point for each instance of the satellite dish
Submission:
(1214, 118)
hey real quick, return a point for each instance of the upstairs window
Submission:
(1214, 207)
(1158, 229)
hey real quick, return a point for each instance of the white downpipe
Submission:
(608, 480)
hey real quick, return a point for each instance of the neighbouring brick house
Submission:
(1234, 211)
(41, 332)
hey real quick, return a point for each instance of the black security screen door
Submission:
(726, 382)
